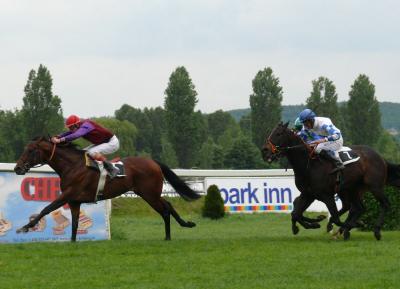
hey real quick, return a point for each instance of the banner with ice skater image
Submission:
(23, 197)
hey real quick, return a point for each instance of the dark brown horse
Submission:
(79, 183)
(314, 180)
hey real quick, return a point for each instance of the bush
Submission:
(213, 203)
(392, 218)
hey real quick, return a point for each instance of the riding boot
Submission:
(112, 171)
(332, 157)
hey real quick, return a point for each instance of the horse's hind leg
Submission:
(356, 210)
(163, 210)
(178, 218)
(344, 209)
(385, 207)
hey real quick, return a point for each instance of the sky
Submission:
(103, 54)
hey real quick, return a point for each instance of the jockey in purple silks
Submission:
(103, 140)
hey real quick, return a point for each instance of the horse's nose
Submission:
(19, 170)
(266, 155)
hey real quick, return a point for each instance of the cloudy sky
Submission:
(103, 54)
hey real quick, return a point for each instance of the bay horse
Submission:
(78, 182)
(314, 180)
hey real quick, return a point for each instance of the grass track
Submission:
(240, 251)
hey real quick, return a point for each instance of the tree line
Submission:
(181, 136)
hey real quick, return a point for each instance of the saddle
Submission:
(116, 163)
(348, 156)
(99, 166)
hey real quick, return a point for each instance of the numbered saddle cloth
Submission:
(347, 155)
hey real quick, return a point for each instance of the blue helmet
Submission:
(307, 114)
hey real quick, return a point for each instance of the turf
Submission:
(239, 251)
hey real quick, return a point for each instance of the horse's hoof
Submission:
(295, 230)
(329, 228)
(346, 235)
(22, 230)
(377, 235)
(190, 224)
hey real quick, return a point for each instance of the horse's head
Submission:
(37, 152)
(277, 141)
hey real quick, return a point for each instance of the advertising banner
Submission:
(23, 197)
(271, 194)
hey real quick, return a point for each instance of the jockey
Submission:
(331, 141)
(306, 135)
(103, 140)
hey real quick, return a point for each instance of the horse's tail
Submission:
(178, 184)
(393, 174)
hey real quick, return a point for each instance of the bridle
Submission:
(279, 150)
(27, 166)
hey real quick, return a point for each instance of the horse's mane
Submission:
(66, 145)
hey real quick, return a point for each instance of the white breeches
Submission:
(105, 148)
(334, 146)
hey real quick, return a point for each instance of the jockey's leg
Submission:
(329, 151)
(330, 155)
(112, 171)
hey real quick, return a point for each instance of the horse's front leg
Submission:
(60, 201)
(300, 204)
(75, 209)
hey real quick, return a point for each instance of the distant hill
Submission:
(390, 112)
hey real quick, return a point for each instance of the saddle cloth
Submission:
(348, 156)
(119, 165)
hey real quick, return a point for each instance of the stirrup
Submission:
(337, 168)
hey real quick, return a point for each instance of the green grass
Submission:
(239, 251)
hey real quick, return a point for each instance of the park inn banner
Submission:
(269, 194)
(23, 197)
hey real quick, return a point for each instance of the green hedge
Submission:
(213, 203)
(392, 218)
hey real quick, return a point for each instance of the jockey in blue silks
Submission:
(330, 139)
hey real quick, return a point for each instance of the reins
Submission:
(53, 151)
(280, 149)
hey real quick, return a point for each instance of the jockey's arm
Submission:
(84, 129)
(311, 137)
(333, 133)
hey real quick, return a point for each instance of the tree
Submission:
(265, 103)
(141, 122)
(157, 119)
(183, 124)
(218, 122)
(211, 155)
(388, 147)
(168, 155)
(41, 111)
(245, 124)
(323, 99)
(12, 139)
(363, 114)
(243, 155)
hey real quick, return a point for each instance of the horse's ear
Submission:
(286, 124)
